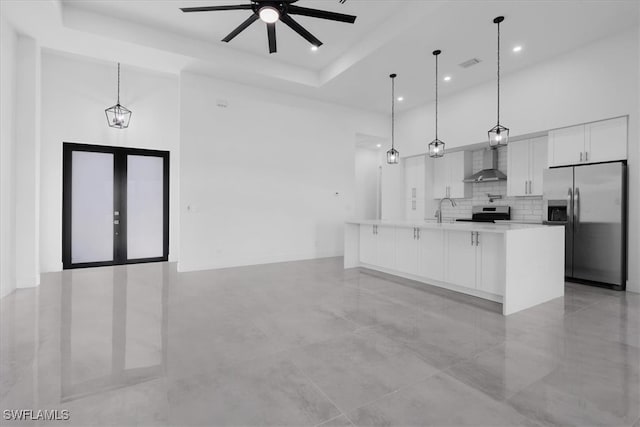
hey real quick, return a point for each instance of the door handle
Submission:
(581, 156)
(576, 207)
(116, 221)
(586, 156)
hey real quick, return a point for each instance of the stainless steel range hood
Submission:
(489, 170)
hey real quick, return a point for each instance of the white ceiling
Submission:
(352, 66)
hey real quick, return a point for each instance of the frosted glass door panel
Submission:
(145, 220)
(91, 207)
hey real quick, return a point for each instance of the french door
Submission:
(115, 205)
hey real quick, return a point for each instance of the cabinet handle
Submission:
(586, 156)
(418, 231)
(472, 238)
(477, 238)
(525, 187)
(581, 156)
(414, 233)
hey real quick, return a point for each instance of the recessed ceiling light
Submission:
(401, 98)
(517, 48)
(314, 48)
(378, 145)
(447, 78)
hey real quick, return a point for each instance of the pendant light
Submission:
(436, 147)
(393, 155)
(118, 116)
(498, 135)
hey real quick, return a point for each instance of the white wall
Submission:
(75, 93)
(8, 43)
(594, 82)
(260, 177)
(367, 170)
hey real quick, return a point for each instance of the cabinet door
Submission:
(440, 177)
(490, 263)
(458, 168)
(518, 168)
(368, 245)
(607, 140)
(431, 254)
(537, 164)
(461, 259)
(566, 146)
(414, 209)
(386, 245)
(406, 250)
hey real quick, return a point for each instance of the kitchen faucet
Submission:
(439, 211)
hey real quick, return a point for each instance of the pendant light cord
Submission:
(498, 73)
(436, 96)
(393, 110)
(118, 83)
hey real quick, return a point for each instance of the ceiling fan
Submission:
(270, 12)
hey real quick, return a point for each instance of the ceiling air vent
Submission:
(470, 63)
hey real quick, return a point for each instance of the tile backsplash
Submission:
(528, 208)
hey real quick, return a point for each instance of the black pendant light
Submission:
(498, 135)
(118, 116)
(436, 147)
(393, 155)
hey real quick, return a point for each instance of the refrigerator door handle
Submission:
(576, 206)
(570, 205)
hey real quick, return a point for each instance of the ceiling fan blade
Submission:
(214, 8)
(300, 30)
(322, 14)
(271, 33)
(250, 20)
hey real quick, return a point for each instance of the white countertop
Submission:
(459, 226)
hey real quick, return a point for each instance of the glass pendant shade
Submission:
(393, 156)
(118, 116)
(498, 136)
(436, 148)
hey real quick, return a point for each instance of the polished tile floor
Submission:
(308, 343)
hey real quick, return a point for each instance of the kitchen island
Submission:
(518, 265)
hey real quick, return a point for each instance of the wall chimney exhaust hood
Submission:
(489, 170)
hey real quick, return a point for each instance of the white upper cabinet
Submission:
(414, 184)
(595, 142)
(526, 161)
(448, 173)
(607, 140)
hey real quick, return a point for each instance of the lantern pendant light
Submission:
(118, 116)
(393, 155)
(498, 135)
(436, 147)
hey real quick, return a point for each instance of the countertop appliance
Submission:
(488, 213)
(590, 201)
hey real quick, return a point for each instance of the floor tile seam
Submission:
(581, 309)
(323, 393)
(334, 418)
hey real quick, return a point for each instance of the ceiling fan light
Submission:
(269, 14)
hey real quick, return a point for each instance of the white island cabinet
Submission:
(518, 265)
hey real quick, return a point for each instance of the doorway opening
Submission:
(115, 205)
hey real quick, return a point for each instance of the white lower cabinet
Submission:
(475, 260)
(461, 258)
(378, 246)
(466, 259)
(407, 250)
(490, 265)
(431, 254)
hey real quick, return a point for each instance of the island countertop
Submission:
(459, 226)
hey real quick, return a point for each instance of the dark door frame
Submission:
(119, 199)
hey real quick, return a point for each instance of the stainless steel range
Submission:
(488, 213)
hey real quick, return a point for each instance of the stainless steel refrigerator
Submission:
(591, 202)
